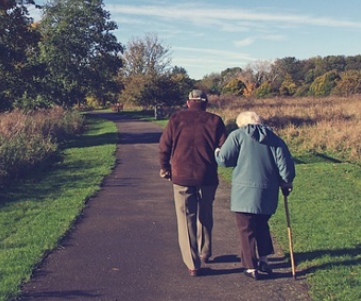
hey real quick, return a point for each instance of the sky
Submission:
(206, 37)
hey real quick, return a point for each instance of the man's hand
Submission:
(165, 174)
(286, 188)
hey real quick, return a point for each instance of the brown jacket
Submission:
(187, 147)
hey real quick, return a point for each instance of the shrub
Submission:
(29, 139)
(323, 85)
(264, 90)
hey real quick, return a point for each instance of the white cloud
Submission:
(229, 55)
(244, 42)
(201, 15)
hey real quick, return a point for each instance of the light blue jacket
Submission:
(261, 161)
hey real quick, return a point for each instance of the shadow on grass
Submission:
(95, 140)
(312, 158)
(309, 256)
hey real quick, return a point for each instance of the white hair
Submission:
(248, 117)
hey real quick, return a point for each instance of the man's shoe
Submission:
(265, 268)
(194, 273)
(254, 274)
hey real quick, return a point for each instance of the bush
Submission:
(323, 85)
(264, 90)
(28, 140)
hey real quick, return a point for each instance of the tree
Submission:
(229, 75)
(211, 83)
(349, 83)
(283, 67)
(234, 87)
(288, 86)
(17, 40)
(335, 62)
(146, 72)
(265, 90)
(81, 54)
(353, 62)
(146, 56)
(182, 84)
(260, 71)
(323, 85)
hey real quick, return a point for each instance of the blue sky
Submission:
(209, 36)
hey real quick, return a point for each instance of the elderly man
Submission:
(186, 153)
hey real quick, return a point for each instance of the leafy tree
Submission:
(229, 75)
(353, 62)
(323, 85)
(146, 68)
(335, 62)
(284, 67)
(211, 84)
(288, 86)
(265, 90)
(81, 54)
(182, 84)
(148, 91)
(303, 90)
(349, 83)
(17, 40)
(234, 87)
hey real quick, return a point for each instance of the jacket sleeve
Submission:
(222, 133)
(227, 156)
(285, 163)
(165, 148)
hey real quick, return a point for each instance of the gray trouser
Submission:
(194, 210)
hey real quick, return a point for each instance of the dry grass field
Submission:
(324, 125)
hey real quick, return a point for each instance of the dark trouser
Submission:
(254, 232)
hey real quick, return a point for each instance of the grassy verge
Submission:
(325, 212)
(36, 214)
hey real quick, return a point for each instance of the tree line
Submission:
(318, 76)
(72, 57)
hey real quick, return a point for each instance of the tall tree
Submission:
(146, 69)
(146, 56)
(81, 54)
(288, 66)
(17, 39)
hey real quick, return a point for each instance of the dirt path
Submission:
(125, 248)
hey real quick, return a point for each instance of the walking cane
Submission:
(290, 238)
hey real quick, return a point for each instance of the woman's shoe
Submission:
(251, 274)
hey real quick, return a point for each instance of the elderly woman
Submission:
(262, 164)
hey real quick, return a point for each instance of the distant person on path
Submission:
(186, 153)
(262, 164)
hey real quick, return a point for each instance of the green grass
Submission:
(325, 213)
(36, 214)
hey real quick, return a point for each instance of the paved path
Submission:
(124, 248)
